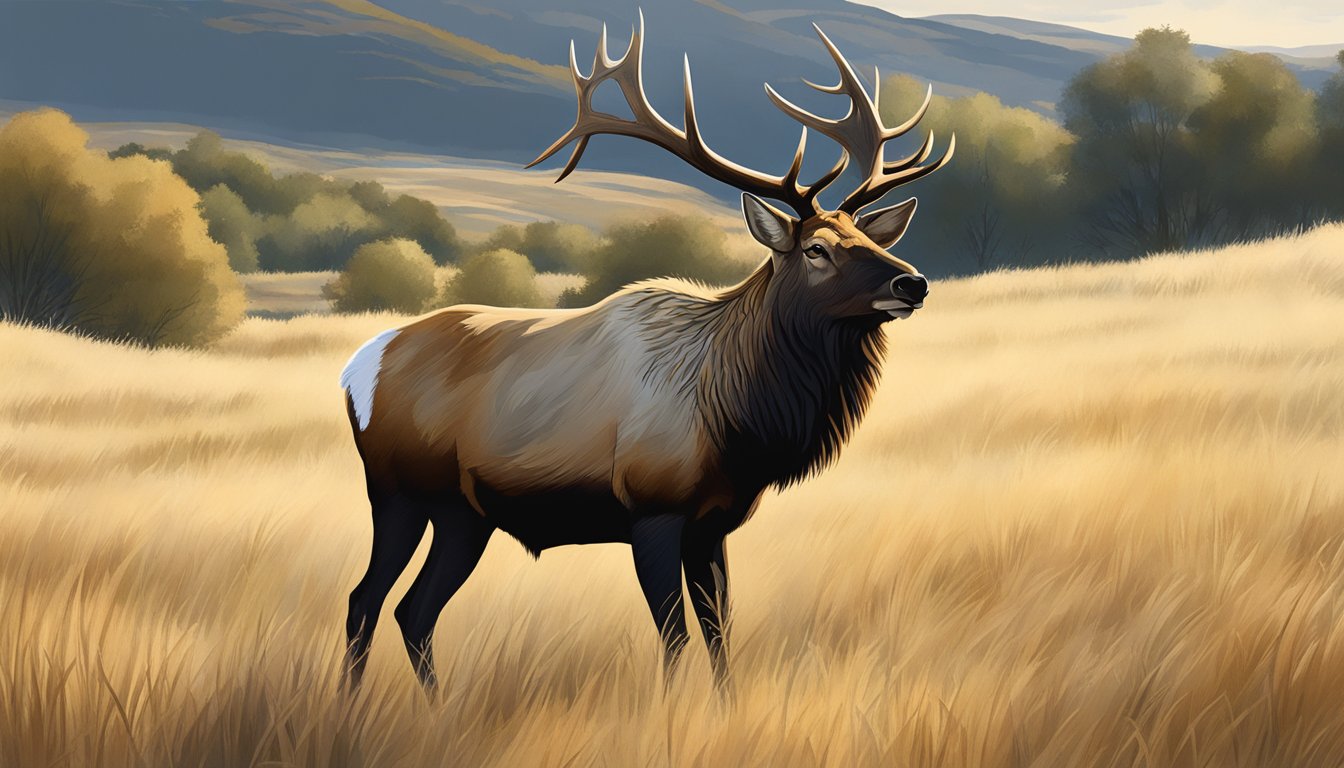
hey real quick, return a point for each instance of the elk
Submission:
(656, 417)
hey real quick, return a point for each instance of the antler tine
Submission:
(919, 156)
(574, 72)
(914, 119)
(874, 188)
(647, 124)
(860, 133)
(823, 125)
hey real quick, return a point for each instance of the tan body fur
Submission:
(531, 401)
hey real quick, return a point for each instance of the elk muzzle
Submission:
(907, 294)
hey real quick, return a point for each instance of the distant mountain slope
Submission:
(1039, 31)
(453, 77)
(468, 80)
(1312, 63)
(339, 72)
(1303, 51)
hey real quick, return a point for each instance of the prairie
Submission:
(1095, 517)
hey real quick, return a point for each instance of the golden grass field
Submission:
(1094, 518)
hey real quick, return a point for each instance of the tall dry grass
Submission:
(1095, 518)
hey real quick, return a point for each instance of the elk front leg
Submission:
(656, 544)
(707, 579)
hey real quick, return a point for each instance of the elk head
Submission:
(834, 262)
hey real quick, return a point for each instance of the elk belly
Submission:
(553, 517)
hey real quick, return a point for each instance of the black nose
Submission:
(911, 288)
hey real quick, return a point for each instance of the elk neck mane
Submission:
(779, 387)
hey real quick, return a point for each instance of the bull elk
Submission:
(656, 417)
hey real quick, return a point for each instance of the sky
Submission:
(1283, 23)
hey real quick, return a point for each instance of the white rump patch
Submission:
(360, 376)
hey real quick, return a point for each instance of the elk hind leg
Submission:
(456, 546)
(707, 579)
(398, 526)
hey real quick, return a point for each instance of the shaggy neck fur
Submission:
(782, 387)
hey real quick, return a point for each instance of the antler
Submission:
(651, 126)
(860, 132)
(862, 135)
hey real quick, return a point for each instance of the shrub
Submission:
(394, 275)
(550, 245)
(692, 247)
(499, 278)
(506, 236)
(555, 247)
(322, 233)
(421, 221)
(232, 225)
(302, 221)
(112, 247)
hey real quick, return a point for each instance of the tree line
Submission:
(296, 222)
(1158, 150)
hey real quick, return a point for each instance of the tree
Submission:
(550, 245)
(421, 221)
(232, 225)
(291, 210)
(133, 148)
(112, 247)
(395, 275)
(691, 247)
(555, 247)
(205, 163)
(322, 233)
(1330, 149)
(498, 278)
(506, 236)
(1001, 198)
(1135, 161)
(1257, 142)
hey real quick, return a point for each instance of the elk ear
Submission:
(886, 226)
(770, 226)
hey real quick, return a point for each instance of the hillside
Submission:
(1094, 518)
(452, 77)
(1312, 63)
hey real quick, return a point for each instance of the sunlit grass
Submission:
(1095, 517)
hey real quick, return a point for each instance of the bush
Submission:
(395, 275)
(322, 233)
(300, 221)
(498, 278)
(420, 220)
(555, 247)
(115, 248)
(506, 236)
(549, 245)
(691, 247)
(232, 225)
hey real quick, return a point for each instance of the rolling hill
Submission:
(1312, 63)
(449, 77)
(455, 78)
